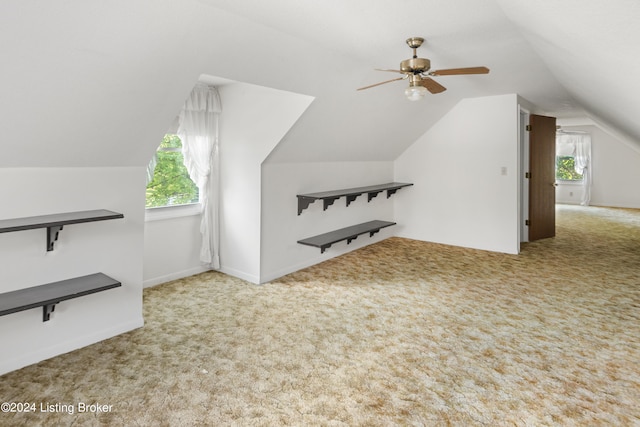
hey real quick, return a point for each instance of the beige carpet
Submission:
(397, 333)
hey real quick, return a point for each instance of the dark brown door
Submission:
(542, 168)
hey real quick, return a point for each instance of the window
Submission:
(566, 169)
(171, 185)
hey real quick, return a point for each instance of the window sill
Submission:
(559, 182)
(169, 212)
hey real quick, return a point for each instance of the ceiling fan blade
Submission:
(393, 71)
(432, 85)
(381, 83)
(459, 71)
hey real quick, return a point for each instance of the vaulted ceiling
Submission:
(93, 83)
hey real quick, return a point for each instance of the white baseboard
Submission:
(240, 274)
(293, 268)
(174, 276)
(335, 252)
(65, 347)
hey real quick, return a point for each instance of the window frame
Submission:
(159, 213)
(155, 213)
(567, 181)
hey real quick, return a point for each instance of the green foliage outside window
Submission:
(171, 184)
(566, 169)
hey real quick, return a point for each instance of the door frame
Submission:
(523, 194)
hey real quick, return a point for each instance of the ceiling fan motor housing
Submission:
(415, 65)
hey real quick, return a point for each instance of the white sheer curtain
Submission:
(583, 166)
(578, 146)
(198, 131)
(151, 167)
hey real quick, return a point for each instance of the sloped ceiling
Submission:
(93, 83)
(592, 49)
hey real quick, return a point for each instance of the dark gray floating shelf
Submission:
(47, 296)
(54, 223)
(324, 241)
(328, 197)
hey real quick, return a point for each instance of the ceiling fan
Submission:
(417, 71)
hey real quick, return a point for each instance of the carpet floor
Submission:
(401, 332)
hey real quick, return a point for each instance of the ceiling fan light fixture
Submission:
(415, 93)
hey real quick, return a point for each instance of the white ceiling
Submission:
(571, 58)
(77, 72)
(592, 48)
(458, 33)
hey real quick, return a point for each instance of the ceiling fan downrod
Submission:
(414, 43)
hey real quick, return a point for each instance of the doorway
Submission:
(537, 180)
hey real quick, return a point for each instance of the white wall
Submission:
(282, 227)
(253, 120)
(465, 171)
(112, 247)
(171, 249)
(569, 193)
(616, 171)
